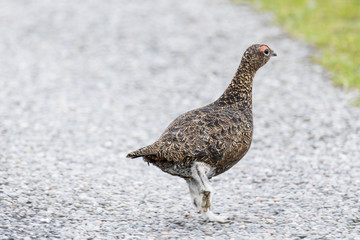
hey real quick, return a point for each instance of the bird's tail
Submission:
(148, 150)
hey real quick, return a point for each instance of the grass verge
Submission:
(331, 25)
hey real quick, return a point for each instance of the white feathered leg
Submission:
(202, 192)
(194, 193)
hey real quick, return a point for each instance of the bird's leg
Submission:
(206, 202)
(205, 191)
(194, 193)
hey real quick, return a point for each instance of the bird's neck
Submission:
(239, 92)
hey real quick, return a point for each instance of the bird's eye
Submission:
(266, 51)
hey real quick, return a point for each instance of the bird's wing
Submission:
(196, 134)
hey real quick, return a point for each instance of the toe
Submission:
(216, 218)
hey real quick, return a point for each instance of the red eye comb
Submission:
(263, 48)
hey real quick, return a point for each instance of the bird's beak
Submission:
(273, 54)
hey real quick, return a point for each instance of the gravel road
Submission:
(83, 83)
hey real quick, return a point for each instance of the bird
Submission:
(205, 142)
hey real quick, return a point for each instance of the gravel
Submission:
(83, 83)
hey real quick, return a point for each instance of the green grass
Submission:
(331, 25)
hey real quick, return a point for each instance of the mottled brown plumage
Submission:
(207, 141)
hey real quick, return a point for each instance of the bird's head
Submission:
(257, 55)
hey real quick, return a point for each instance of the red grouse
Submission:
(208, 141)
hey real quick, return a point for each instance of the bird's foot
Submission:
(210, 216)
